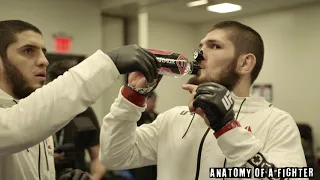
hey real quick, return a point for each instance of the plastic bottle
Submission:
(174, 64)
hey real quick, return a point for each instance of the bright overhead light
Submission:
(197, 3)
(224, 8)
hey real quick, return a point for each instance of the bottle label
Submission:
(172, 64)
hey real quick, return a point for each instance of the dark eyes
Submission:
(211, 45)
(28, 50)
(32, 51)
(215, 46)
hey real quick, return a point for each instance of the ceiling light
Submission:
(197, 3)
(224, 8)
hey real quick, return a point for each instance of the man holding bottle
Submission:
(226, 126)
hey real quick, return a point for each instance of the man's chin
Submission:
(23, 92)
(194, 80)
(37, 85)
(34, 86)
(197, 80)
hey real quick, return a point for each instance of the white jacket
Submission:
(183, 153)
(26, 126)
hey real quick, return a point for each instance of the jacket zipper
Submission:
(224, 164)
(39, 160)
(199, 154)
(45, 153)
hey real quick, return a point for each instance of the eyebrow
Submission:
(44, 50)
(208, 41)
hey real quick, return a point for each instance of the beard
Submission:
(19, 85)
(228, 77)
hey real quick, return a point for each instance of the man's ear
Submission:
(246, 63)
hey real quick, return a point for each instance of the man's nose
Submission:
(43, 61)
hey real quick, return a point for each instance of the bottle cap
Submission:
(198, 55)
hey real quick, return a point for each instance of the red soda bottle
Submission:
(174, 64)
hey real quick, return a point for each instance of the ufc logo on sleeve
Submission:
(227, 100)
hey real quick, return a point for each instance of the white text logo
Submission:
(227, 100)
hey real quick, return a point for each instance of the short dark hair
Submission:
(8, 31)
(245, 40)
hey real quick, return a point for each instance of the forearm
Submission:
(239, 145)
(123, 145)
(50, 108)
(243, 149)
(97, 170)
(118, 133)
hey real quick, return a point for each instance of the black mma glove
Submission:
(133, 58)
(216, 102)
(75, 175)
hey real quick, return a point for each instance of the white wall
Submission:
(79, 18)
(133, 31)
(292, 40)
(176, 37)
(112, 37)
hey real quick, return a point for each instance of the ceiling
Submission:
(176, 10)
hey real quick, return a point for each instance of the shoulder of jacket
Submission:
(3, 109)
(278, 116)
(276, 112)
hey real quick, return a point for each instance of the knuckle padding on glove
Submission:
(209, 97)
(204, 101)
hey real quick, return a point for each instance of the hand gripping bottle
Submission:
(174, 64)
